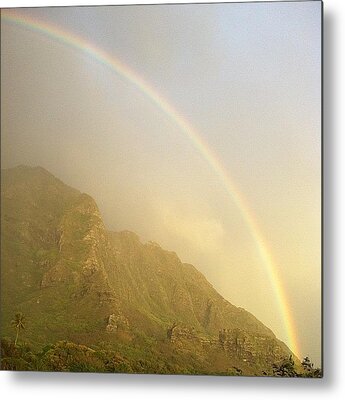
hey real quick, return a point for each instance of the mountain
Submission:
(78, 283)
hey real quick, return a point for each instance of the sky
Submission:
(246, 77)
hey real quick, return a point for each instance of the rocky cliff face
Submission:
(235, 344)
(52, 263)
(75, 280)
(152, 280)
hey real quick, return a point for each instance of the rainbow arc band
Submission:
(109, 61)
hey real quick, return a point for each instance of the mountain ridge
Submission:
(76, 280)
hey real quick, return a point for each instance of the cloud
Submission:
(200, 232)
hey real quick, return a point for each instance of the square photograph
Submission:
(161, 189)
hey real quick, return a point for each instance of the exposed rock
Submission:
(250, 347)
(181, 333)
(115, 322)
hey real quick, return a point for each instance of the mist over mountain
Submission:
(82, 286)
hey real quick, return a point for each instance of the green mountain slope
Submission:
(155, 282)
(76, 281)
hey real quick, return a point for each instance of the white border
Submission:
(37, 386)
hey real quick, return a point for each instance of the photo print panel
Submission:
(161, 189)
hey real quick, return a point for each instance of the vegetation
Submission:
(287, 368)
(19, 324)
(66, 356)
(70, 357)
(309, 370)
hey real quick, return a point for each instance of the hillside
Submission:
(76, 281)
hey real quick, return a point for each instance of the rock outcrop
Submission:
(116, 322)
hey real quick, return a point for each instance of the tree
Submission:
(19, 324)
(307, 364)
(285, 368)
(309, 370)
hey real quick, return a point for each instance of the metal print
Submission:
(161, 189)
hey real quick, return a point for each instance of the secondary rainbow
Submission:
(72, 40)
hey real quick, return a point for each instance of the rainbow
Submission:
(109, 61)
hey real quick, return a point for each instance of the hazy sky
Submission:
(246, 77)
